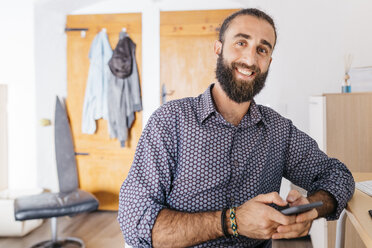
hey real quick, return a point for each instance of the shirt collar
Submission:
(253, 117)
(206, 108)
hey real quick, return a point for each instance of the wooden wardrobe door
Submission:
(104, 169)
(187, 60)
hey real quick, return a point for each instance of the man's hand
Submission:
(257, 220)
(303, 221)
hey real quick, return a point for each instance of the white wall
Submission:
(357, 32)
(51, 78)
(3, 136)
(17, 71)
(313, 37)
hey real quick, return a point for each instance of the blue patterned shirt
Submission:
(190, 159)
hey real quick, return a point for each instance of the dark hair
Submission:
(252, 12)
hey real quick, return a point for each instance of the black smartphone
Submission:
(301, 208)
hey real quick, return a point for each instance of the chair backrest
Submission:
(65, 154)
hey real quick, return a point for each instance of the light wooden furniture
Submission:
(349, 129)
(357, 212)
(349, 139)
(106, 165)
(187, 59)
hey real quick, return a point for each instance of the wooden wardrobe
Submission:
(102, 164)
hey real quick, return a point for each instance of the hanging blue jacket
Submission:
(95, 101)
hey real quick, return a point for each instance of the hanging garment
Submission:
(124, 96)
(95, 101)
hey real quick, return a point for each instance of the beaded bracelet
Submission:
(223, 222)
(234, 226)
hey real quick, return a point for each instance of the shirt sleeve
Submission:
(144, 192)
(310, 168)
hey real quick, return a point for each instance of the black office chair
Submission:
(69, 200)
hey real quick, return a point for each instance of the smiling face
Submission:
(244, 57)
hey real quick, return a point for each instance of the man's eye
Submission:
(241, 43)
(262, 50)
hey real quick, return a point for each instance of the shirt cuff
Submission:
(339, 196)
(146, 224)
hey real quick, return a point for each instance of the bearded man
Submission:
(207, 170)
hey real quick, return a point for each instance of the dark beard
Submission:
(239, 90)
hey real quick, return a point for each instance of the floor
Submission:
(97, 229)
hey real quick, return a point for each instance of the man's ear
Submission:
(217, 47)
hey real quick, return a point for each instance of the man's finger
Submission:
(300, 201)
(297, 227)
(280, 218)
(293, 195)
(307, 216)
(272, 213)
(269, 198)
(292, 231)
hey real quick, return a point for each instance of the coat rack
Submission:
(81, 30)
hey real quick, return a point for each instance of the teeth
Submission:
(245, 72)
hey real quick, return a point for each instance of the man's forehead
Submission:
(252, 26)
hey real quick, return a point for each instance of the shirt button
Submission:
(232, 200)
(236, 163)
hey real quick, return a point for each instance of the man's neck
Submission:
(231, 111)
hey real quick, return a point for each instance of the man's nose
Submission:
(249, 56)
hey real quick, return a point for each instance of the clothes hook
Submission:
(124, 30)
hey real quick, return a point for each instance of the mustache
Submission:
(253, 68)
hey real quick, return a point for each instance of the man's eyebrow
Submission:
(247, 36)
(265, 42)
